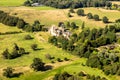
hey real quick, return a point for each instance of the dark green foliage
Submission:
(53, 40)
(96, 17)
(38, 65)
(28, 37)
(117, 21)
(34, 46)
(81, 73)
(73, 25)
(105, 19)
(27, 3)
(83, 25)
(70, 3)
(8, 72)
(21, 23)
(6, 54)
(59, 60)
(89, 16)
(80, 12)
(16, 52)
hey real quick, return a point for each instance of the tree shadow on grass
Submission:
(39, 49)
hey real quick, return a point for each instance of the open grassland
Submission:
(22, 63)
(116, 2)
(11, 2)
(49, 16)
(4, 28)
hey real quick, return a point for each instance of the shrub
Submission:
(89, 16)
(81, 73)
(66, 59)
(96, 17)
(38, 65)
(28, 37)
(8, 72)
(34, 46)
(105, 19)
(80, 12)
(59, 60)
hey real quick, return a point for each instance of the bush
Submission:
(80, 12)
(66, 59)
(89, 16)
(28, 37)
(105, 19)
(96, 17)
(38, 65)
(8, 72)
(118, 20)
(81, 73)
(34, 46)
(59, 60)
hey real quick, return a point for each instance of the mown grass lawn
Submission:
(11, 2)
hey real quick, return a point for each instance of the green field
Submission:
(11, 2)
(22, 63)
(47, 16)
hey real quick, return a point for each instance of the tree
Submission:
(15, 47)
(8, 72)
(27, 3)
(105, 19)
(83, 25)
(96, 17)
(38, 65)
(89, 16)
(73, 25)
(34, 46)
(80, 12)
(6, 54)
(21, 23)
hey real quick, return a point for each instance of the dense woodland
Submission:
(85, 43)
(70, 3)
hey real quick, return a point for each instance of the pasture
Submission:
(11, 2)
(50, 16)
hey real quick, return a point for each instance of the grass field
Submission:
(116, 2)
(22, 63)
(4, 28)
(11, 2)
(49, 16)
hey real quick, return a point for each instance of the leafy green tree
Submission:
(80, 12)
(89, 16)
(38, 65)
(21, 23)
(6, 54)
(105, 19)
(27, 3)
(34, 46)
(73, 25)
(83, 25)
(8, 72)
(96, 17)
